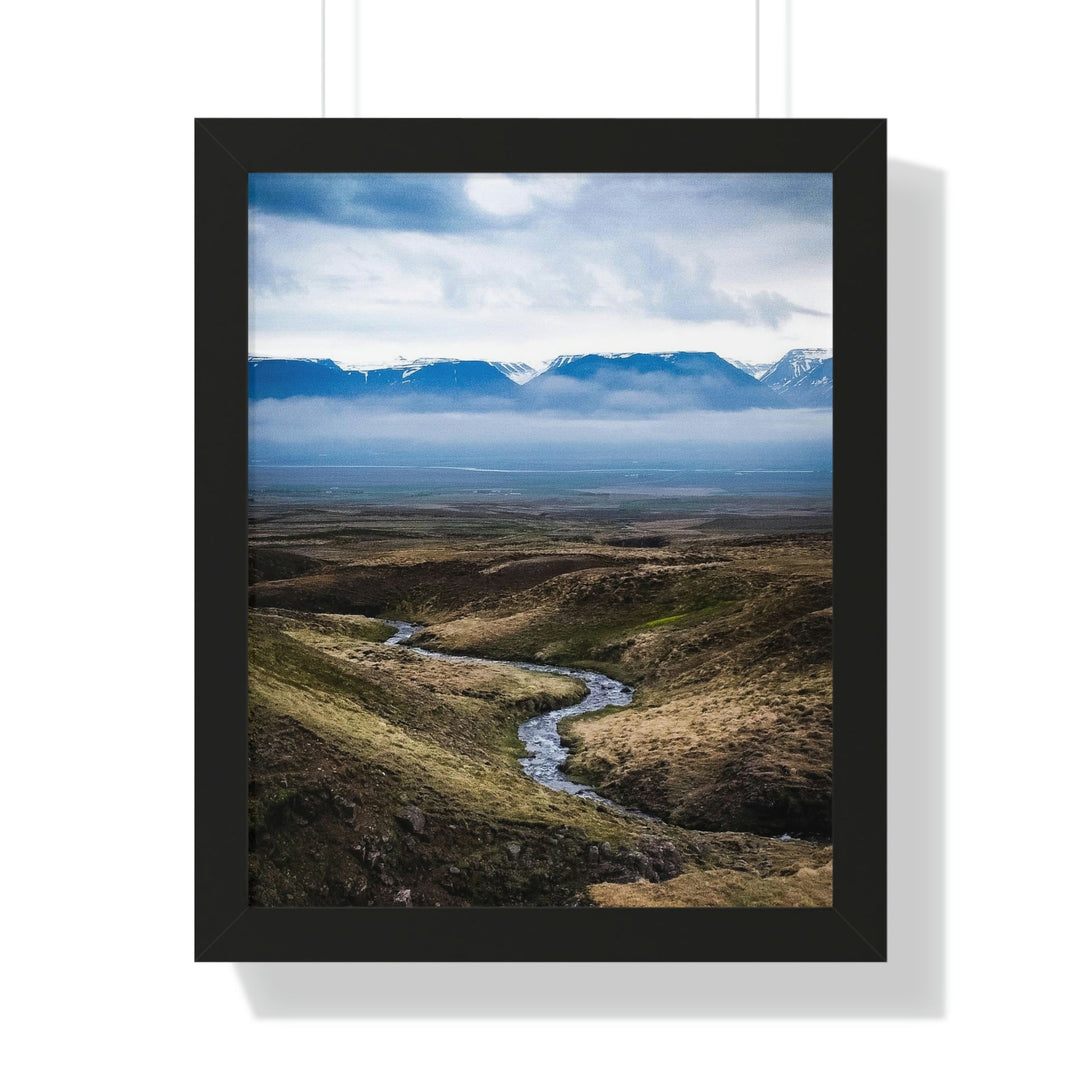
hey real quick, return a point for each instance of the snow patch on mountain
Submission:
(756, 370)
(803, 377)
(793, 365)
(322, 361)
(569, 358)
(520, 373)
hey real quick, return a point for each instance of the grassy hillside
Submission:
(374, 771)
(807, 886)
(731, 658)
(379, 776)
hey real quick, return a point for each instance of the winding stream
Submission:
(545, 753)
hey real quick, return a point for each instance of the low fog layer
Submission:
(310, 420)
(315, 431)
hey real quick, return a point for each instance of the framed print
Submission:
(540, 561)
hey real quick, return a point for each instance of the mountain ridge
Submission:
(702, 380)
(582, 382)
(803, 377)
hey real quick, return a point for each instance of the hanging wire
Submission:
(757, 59)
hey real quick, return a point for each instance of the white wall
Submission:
(984, 96)
(99, 100)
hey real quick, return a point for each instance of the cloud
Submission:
(688, 292)
(418, 263)
(510, 196)
(333, 423)
(800, 196)
(676, 288)
(598, 203)
(773, 310)
(429, 202)
(696, 202)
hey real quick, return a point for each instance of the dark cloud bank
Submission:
(438, 202)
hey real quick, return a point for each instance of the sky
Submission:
(368, 268)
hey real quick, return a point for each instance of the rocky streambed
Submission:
(545, 753)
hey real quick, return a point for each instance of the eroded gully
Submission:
(545, 754)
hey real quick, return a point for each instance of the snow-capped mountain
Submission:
(757, 370)
(661, 381)
(803, 377)
(519, 373)
(515, 372)
(793, 365)
(446, 377)
(582, 382)
(274, 377)
(814, 388)
(440, 377)
(570, 358)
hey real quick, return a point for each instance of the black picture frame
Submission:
(226, 927)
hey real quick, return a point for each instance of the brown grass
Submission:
(716, 758)
(806, 887)
(729, 649)
(347, 735)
